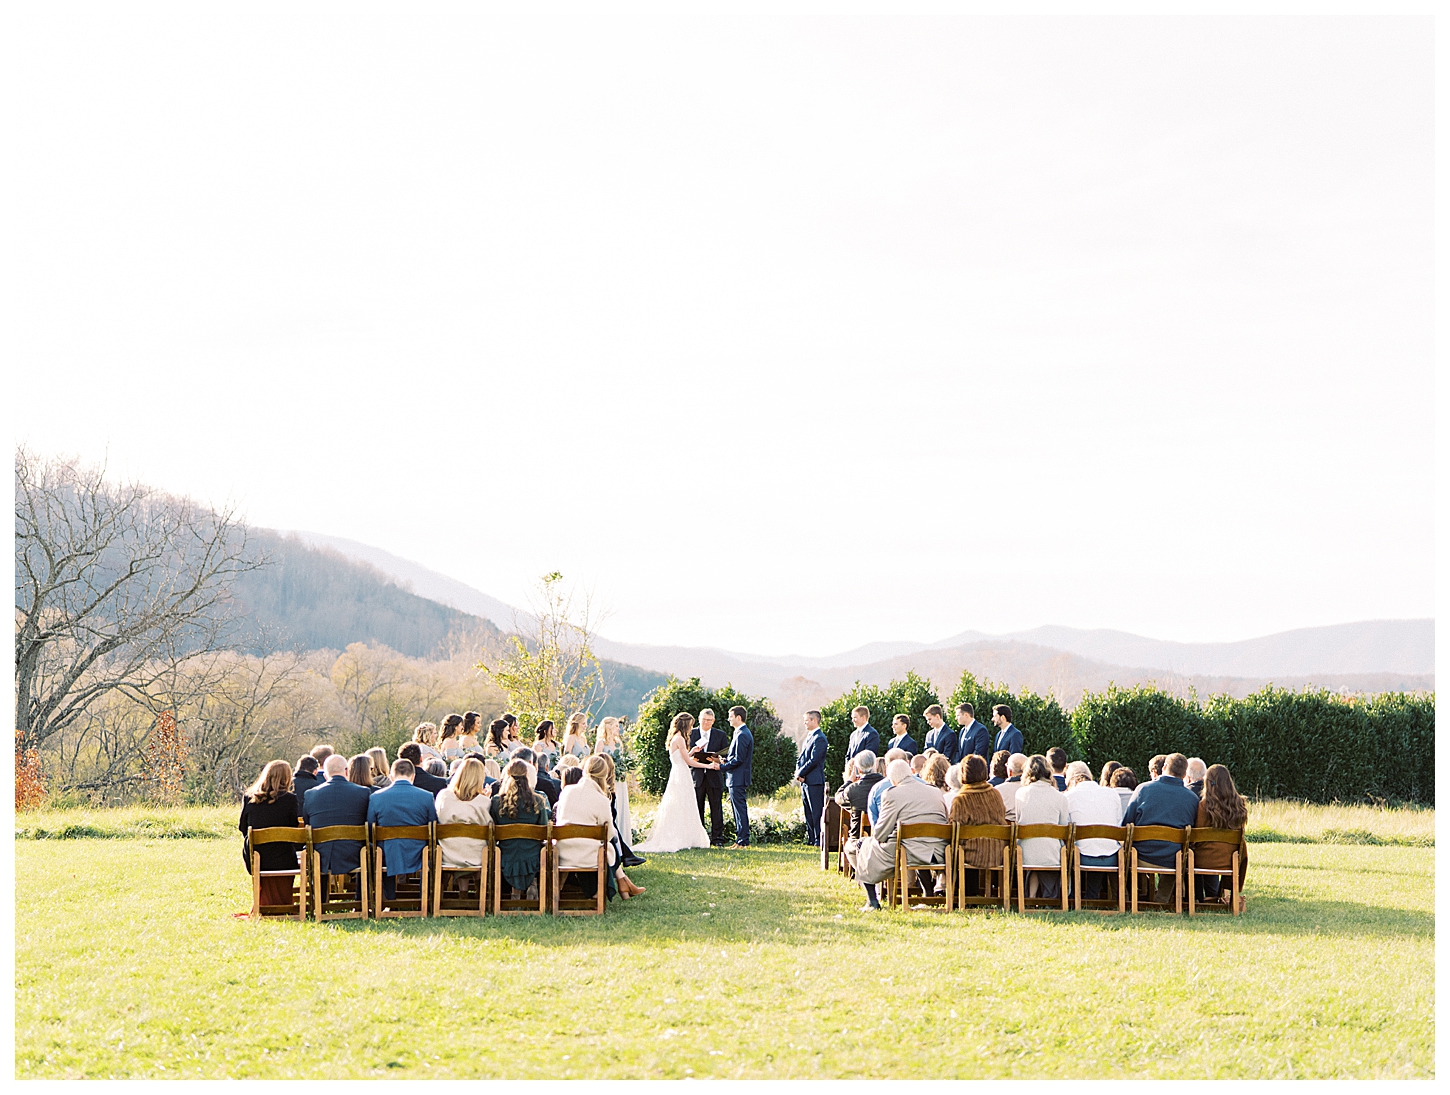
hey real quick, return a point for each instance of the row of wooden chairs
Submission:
(425, 893)
(996, 883)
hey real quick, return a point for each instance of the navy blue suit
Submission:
(944, 740)
(736, 766)
(810, 769)
(1009, 739)
(337, 802)
(862, 739)
(1164, 801)
(401, 804)
(903, 741)
(974, 739)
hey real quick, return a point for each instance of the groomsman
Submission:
(974, 738)
(903, 739)
(737, 774)
(1008, 736)
(864, 736)
(709, 782)
(941, 737)
(810, 773)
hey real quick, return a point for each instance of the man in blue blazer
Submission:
(864, 736)
(810, 773)
(736, 767)
(1163, 801)
(401, 803)
(941, 737)
(1008, 736)
(974, 738)
(901, 727)
(336, 802)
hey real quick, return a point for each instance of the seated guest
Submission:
(468, 732)
(907, 801)
(539, 779)
(545, 748)
(464, 802)
(1193, 780)
(305, 777)
(999, 767)
(935, 772)
(590, 801)
(1222, 807)
(572, 775)
(901, 728)
(978, 803)
(873, 803)
(1125, 783)
(435, 767)
(1106, 779)
(853, 795)
(517, 803)
(1057, 761)
(1155, 766)
(1163, 801)
(1090, 803)
(269, 803)
(449, 743)
(492, 771)
(1009, 787)
(918, 764)
(342, 800)
(425, 737)
(954, 783)
(400, 803)
(1039, 802)
(320, 753)
(381, 778)
(423, 779)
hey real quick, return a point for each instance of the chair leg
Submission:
(1122, 893)
(256, 886)
(497, 884)
(1178, 883)
(1021, 886)
(1006, 878)
(1133, 877)
(302, 889)
(1062, 872)
(1076, 881)
(425, 909)
(1192, 884)
(543, 888)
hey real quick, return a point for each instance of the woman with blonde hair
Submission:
(379, 758)
(1039, 802)
(576, 741)
(609, 742)
(426, 735)
(269, 803)
(465, 801)
(587, 803)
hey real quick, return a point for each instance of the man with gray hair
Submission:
(1016, 765)
(1090, 803)
(861, 769)
(1197, 773)
(873, 804)
(907, 801)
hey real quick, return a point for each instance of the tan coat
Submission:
(909, 803)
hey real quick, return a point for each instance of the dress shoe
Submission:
(633, 861)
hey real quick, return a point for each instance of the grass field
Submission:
(735, 964)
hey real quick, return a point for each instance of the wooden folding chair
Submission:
(508, 906)
(1215, 836)
(1007, 835)
(573, 906)
(445, 903)
(326, 905)
(843, 834)
(278, 834)
(403, 889)
(1062, 833)
(1139, 833)
(1099, 832)
(830, 832)
(907, 868)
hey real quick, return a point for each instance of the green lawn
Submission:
(735, 964)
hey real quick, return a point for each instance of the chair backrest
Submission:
(1215, 836)
(581, 832)
(401, 832)
(984, 832)
(1032, 832)
(1141, 833)
(521, 832)
(918, 829)
(340, 832)
(1100, 832)
(277, 834)
(446, 830)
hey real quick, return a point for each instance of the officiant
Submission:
(709, 782)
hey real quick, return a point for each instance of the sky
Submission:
(781, 328)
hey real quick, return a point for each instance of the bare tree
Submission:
(116, 585)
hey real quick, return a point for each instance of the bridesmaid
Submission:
(468, 733)
(576, 743)
(610, 743)
(448, 743)
(546, 749)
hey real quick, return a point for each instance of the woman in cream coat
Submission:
(1039, 802)
(464, 802)
(585, 803)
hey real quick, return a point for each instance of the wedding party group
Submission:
(459, 773)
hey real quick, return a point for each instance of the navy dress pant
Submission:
(813, 801)
(742, 816)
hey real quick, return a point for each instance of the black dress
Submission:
(268, 815)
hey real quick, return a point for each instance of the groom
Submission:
(737, 774)
(709, 781)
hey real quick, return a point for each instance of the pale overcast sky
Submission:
(786, 328)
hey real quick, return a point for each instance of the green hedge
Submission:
(772, 763)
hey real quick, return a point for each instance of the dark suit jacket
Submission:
(1009, 739)
(945, 741)
(737, 762)
(427, 781)
(337, 802)
(1196, 787)
(1060, 781)
(976, 739)
(712, 779)
(810, 765)
(864, 738)
(267, 815)
(549, 787)
(1164, 801)
(402, 804)
(854, 796)
(903, 741)
(302, 782)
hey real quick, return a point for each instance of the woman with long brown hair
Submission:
(448, 741)
(1222, 807)
(360, 771)
(381, 778)
(517, 803)
(978, 803)
(269, 803)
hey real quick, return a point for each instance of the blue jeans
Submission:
(1092, 884)
(742, 817)
(813, 801)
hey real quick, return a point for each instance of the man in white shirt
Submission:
(1090, 803)
(1016, 764)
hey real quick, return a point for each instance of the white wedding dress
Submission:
(677, 821)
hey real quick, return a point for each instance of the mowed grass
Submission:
(735, 964)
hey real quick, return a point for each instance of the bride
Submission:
(677, 821)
